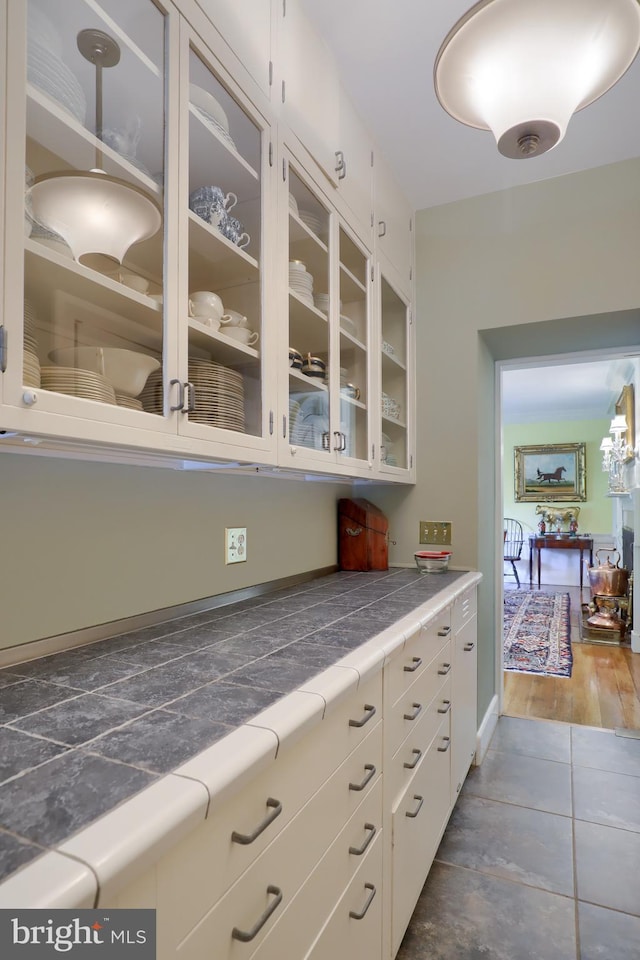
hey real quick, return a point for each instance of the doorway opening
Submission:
(556, 400)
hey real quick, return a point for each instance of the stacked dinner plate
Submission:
(301, 281)
(211, 112)
(77, 383)
(152, 396)
(31, 364)
(219, 395)
(132, 403)
(46, 69)
(311, 220)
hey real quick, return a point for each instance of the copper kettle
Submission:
(608, 580)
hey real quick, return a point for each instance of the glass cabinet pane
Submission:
(225, 234)
(354, 344)
(94, 175)
(309, 309)
(394, 329)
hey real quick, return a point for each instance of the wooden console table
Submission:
(558, 541)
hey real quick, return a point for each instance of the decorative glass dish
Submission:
(432, 561)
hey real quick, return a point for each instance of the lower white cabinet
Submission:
(347, 819)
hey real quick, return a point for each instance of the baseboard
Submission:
(486, 730)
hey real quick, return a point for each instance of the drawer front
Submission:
(411, 706)
(354, 930)
(405, 762)
(464, 608)
(416, 655)
(285, 863)
(274, 911)
(298, 929)
(417, 825)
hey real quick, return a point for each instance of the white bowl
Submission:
(207, 102)
(126, 370)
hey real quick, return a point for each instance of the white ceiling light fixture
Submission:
(521, 68)
(98, 215)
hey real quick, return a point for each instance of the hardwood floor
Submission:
(603, 691)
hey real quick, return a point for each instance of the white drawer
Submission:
(417, 653)
(298, 929)
(193, 883)
(405, 762)
(197, 873)
(273, 909)
(410, 707)
(464, 608)
(354, 930)
(417, 826)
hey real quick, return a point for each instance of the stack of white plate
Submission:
(312, 220)
(77, 383)
(152, 396)
(211, 112)
(47, 71)
(219, 395)
(132, 403)
(31, 364)
(301, 281)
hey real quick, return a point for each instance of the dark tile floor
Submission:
(541, 857)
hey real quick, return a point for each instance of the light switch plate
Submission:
(435, 531)
(235, 544)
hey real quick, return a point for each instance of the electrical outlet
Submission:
(235, 544)
(435, 531)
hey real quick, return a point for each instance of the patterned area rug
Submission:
(537, 632)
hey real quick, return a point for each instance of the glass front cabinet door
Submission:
(84, 313)
(325, 420)
(396, 381)
(135, 247)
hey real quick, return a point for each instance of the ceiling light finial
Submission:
(522, 68)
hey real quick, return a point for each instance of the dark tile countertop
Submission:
(85, 729)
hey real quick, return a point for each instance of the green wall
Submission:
(595, 512)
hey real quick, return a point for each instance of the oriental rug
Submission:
(537, 632)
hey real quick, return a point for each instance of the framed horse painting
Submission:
(553, 472)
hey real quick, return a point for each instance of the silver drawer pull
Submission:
(468, 646)
(411, 766)
(371, 772)
(360, 916)
(447, 744)
(369, 712)
(250, 837)
(444, 632)
(371, 832)
(247, 935)
(415, 813)
(446, 706)
(444, 670)
(416, 712)
(417, 662)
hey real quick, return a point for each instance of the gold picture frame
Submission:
(553, 472)
(625, 406)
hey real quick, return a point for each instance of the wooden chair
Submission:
(513, 541)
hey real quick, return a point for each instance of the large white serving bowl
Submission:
(126, 370)
(207, 102)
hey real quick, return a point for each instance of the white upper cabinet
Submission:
(308, 88)
(355, 168)
(246, 28)
(393, 221)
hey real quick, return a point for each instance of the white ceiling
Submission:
(385, 50)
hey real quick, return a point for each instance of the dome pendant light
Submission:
(521, 68)
(99, 216)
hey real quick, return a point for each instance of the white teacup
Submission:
(206, 305)
(234, 319)
(242, 334)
